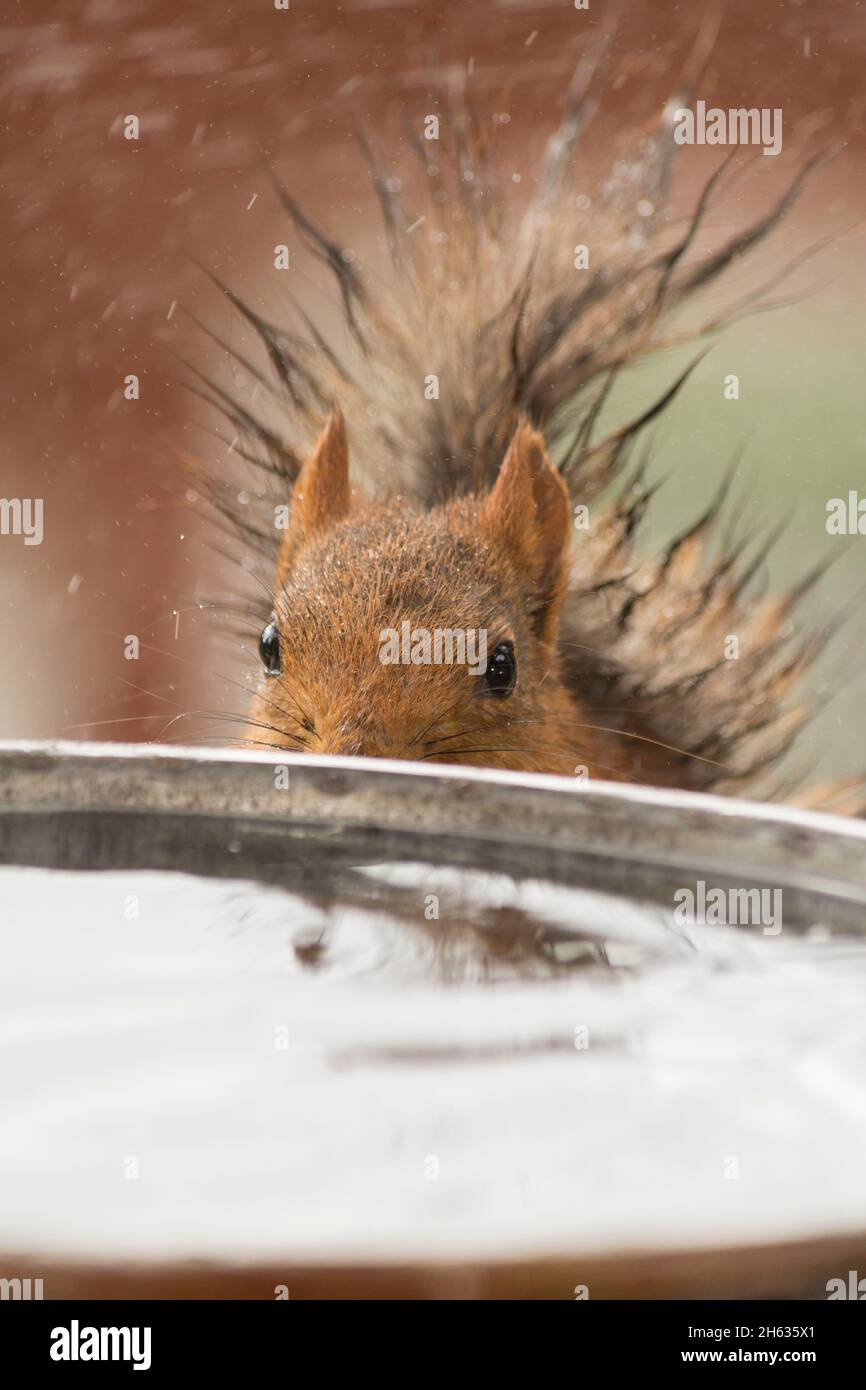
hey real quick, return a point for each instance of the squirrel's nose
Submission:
(359, 743)
(344, 745)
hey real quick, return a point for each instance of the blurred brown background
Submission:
(103, 234)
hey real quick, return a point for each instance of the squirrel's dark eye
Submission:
(269, 649)
(501, 674)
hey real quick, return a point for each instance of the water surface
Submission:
(237, 1071)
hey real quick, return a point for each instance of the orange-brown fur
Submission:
(452, 513)
(498, 563)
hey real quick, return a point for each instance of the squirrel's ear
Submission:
(321, 495)
(529, 514)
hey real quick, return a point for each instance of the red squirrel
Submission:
(433, 471)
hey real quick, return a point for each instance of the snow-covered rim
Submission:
(620, 826)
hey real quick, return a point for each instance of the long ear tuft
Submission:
(528, 514)
(321, 496)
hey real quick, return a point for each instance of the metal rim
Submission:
(635, 840)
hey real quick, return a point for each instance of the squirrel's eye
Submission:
(501, 674)
(269, 649)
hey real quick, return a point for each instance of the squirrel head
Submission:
(423, 635)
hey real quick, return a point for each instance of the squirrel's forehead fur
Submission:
(438, 568)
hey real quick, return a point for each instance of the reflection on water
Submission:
(535, 1069)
